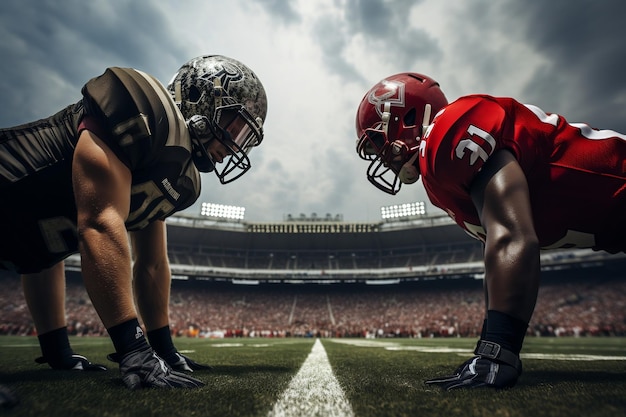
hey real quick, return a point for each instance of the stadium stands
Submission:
(570, 303)
(326, 279)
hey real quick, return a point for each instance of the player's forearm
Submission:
(106, 268)
(512, 270)
(151, 274)
(152, 281)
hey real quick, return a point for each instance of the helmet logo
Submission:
(227, 74)
(391, 92)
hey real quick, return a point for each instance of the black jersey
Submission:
(137, 119)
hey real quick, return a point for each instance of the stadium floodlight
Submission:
(403, 211)
(220, 211)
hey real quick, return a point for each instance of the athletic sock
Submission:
(55, 345)
(483, 331)
(161, 341)
(128, 337)
(505, 330)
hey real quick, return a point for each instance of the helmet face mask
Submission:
(371, 144)
(239, 126)
(239, 133)
(223, 101)
(389, 129)
(387, 159)
(236, 161)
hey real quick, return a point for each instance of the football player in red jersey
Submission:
(99, 178)
(512, 176)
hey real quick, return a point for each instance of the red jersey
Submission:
(576, 175)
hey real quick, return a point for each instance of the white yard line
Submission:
(393, 346)
(314, 391)
(571, 357)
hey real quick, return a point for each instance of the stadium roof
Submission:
(312, 236)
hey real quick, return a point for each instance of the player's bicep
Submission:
(101, 182)
(500, 194)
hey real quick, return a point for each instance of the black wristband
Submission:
(493, 351)
(55, 345)
(128, 337)
(161, 342)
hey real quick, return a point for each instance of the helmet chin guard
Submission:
(201, 132)
(409, 173)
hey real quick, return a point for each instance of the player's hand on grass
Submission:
(74, 362)
(180, 362)
(145, 369)
(478, 372)
(492, 366)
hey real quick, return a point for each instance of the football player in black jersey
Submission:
(99, 178)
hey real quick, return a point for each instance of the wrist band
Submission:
(494, 351)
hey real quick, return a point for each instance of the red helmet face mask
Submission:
(390, 122)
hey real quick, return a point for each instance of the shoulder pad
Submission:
(137, 112)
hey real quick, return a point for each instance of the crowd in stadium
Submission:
(582, 307)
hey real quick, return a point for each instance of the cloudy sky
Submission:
(317, 58)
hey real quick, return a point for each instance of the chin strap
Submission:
(426, 119)
(408, 173)
(200, 132)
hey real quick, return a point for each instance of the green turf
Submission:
(393, 385)
(385, 379)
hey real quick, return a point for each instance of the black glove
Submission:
(492, 366)
(74, 362)
(145, 369)
(180, 362)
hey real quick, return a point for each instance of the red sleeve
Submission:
(463, 138)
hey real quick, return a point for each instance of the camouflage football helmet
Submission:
(221, 99)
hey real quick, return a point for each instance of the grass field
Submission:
(293, 377)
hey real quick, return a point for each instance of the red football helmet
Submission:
(390, 122)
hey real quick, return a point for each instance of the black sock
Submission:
(505, 330)
(55, 345)
(483, 331)
(161, 342)
(128, 337)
